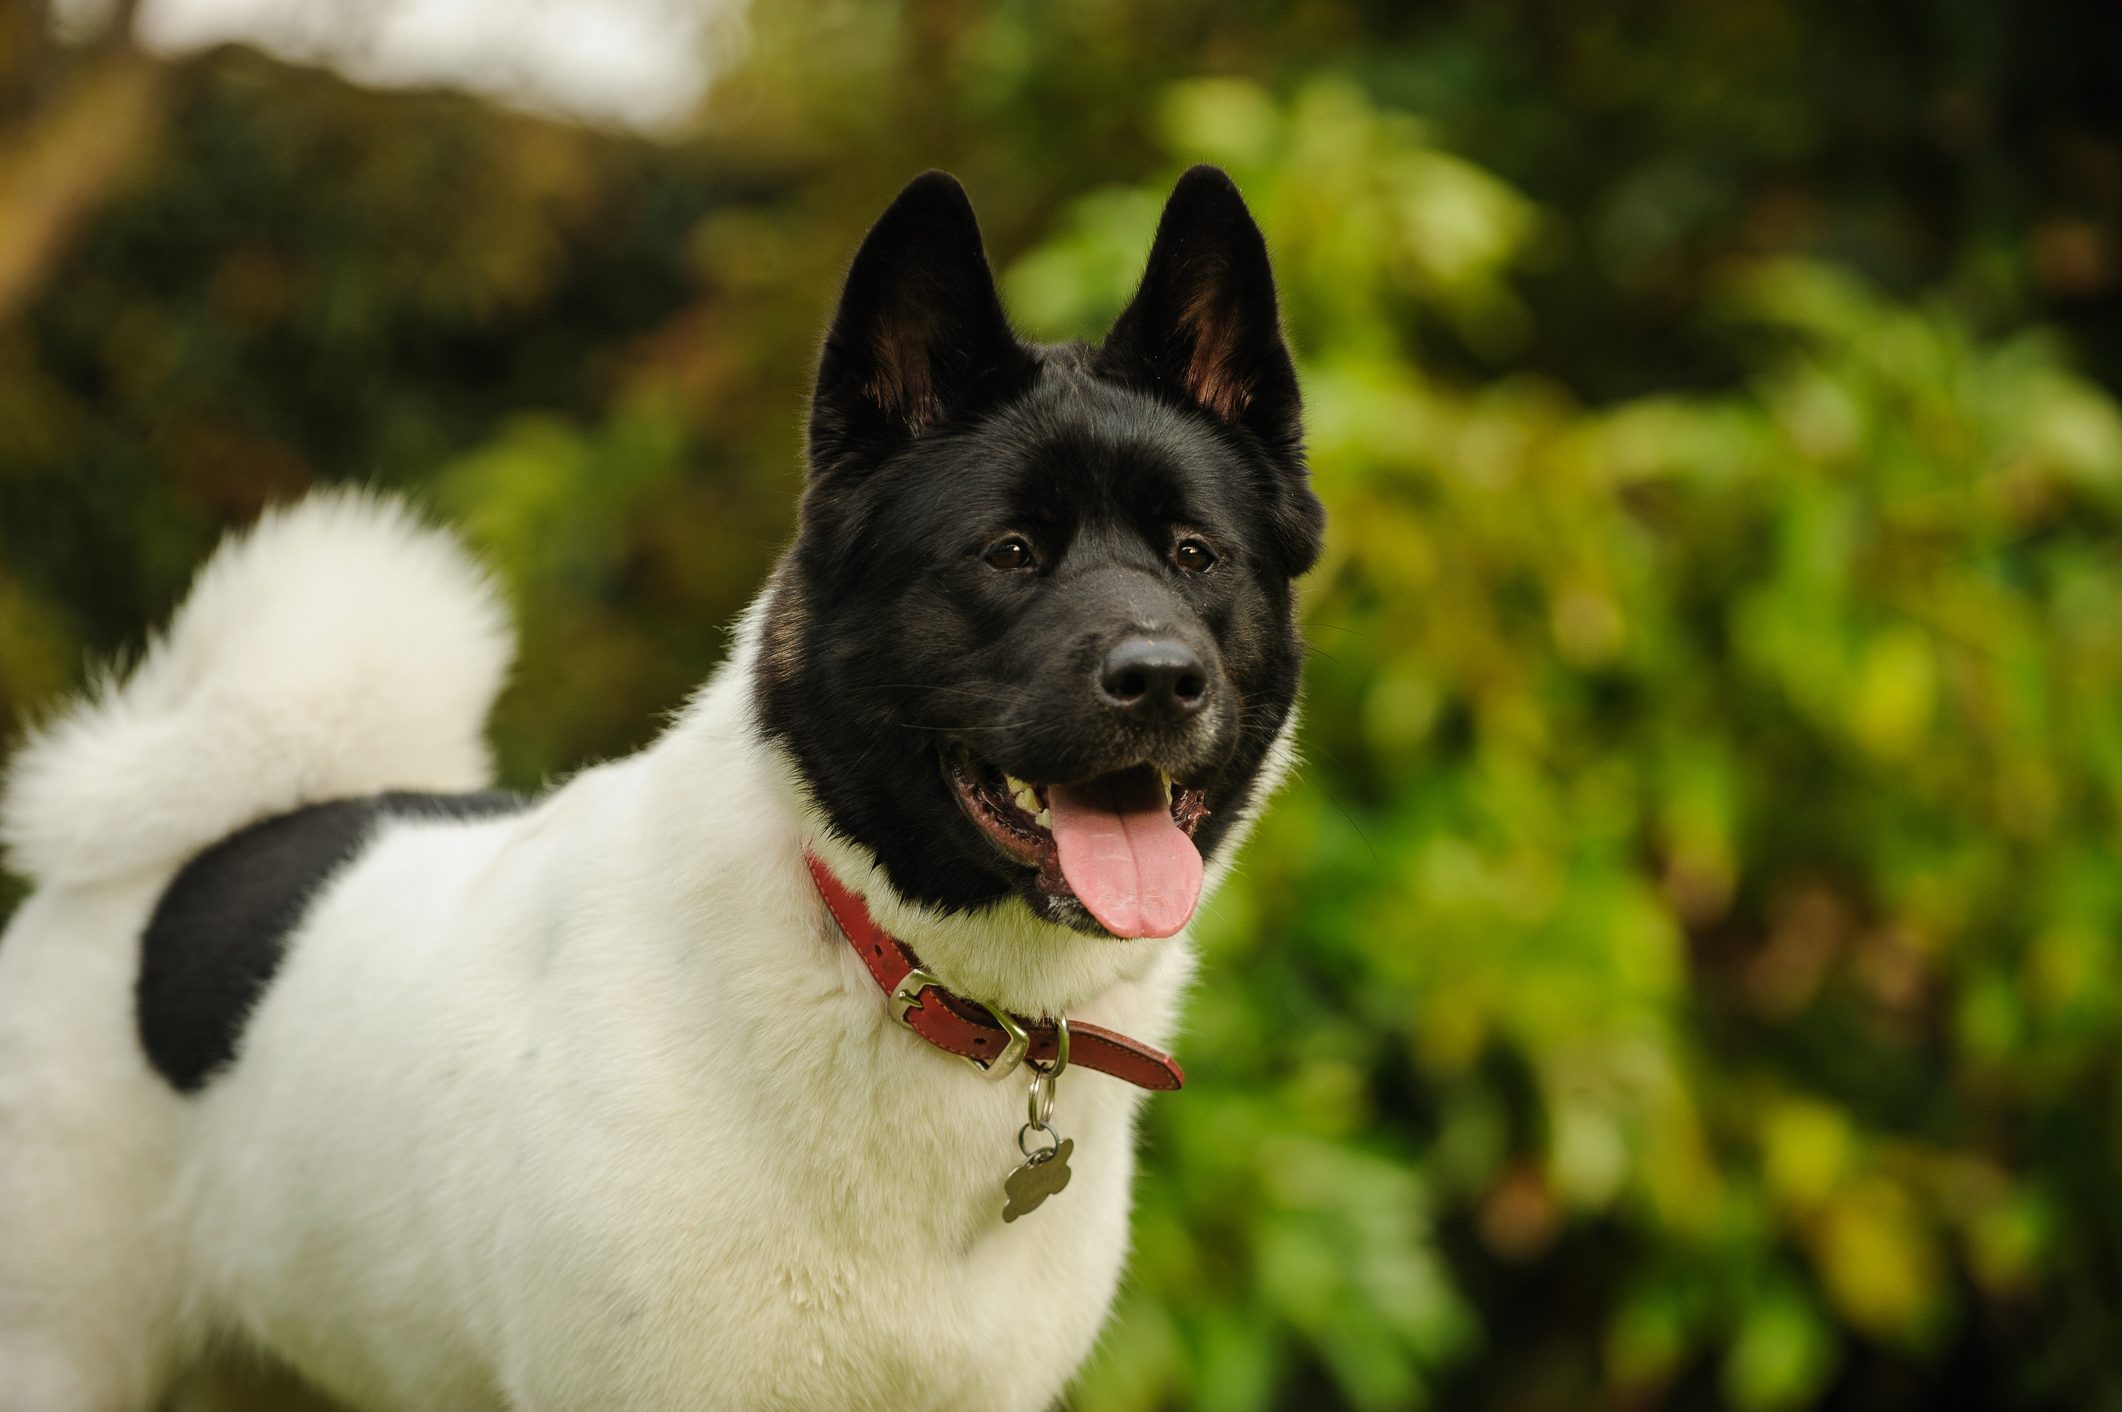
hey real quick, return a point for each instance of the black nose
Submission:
(1154, 679)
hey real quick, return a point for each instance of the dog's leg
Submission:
(85, 1318)
(86, 1313)
(89, 1270)
(59, 1382)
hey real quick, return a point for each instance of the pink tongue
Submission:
(1123, 855)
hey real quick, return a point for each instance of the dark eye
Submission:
(1194, 555)
(1014, 552)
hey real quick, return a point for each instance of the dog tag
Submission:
(1045, 1173)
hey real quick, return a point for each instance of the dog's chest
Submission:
(650, 1161)
(869, 1266)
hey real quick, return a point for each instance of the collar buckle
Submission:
(906, 998)
(957, 1025)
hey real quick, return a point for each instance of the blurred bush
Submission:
(1682, 974)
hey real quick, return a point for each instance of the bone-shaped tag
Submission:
(1044, 1175)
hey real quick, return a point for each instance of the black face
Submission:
(1035, 635)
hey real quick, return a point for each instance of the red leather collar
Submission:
(973, 1031)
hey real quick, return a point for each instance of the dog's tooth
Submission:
(1027, 800)
(1044, 818)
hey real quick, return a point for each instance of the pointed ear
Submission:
(1204, 325)
(1204, 328)
(920, 337)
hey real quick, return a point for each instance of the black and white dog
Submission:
(653, 1092)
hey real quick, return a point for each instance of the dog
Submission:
(790, 1063)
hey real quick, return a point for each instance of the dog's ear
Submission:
(1204, 327)
(920, 338)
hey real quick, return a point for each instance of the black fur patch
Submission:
(221, 928)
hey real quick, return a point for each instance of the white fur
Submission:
(587, 1107)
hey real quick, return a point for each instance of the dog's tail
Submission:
(339, 647)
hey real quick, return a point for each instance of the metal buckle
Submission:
(906, 996)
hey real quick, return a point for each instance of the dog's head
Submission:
(1035, 638)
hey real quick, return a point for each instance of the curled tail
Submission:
(338, 647)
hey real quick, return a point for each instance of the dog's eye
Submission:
(1194, 556)
(1014, 552)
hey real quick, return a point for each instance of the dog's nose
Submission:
(1154, 679)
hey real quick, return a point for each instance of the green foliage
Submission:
(1683, 972)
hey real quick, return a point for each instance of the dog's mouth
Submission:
(1120, 844)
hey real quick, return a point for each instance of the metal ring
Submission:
(1059, 1062)
(1043, 1153)
(1039, 1102)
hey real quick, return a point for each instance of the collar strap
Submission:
(993, 1040)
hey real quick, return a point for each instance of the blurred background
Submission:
(1685, 974)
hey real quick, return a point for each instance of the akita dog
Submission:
(790, 1063)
